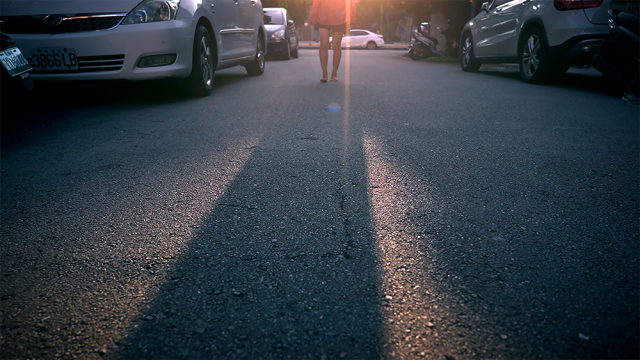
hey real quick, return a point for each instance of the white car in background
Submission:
(94, 40)
(359, 38)
(545, 37)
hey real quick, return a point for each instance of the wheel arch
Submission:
(263, 35)
(528, 25)
(465, 30)
(214, 41)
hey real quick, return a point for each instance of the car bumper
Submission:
(577, 50)
(276, 46)
(125, 43)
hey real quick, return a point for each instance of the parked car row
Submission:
(544, 37)
(91, 41)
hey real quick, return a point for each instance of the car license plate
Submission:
(54, 59)
(13, 60)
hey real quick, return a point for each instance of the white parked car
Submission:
(543, 36)
(93, 40)
(361, 38)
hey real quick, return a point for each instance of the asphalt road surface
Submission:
(409, 210)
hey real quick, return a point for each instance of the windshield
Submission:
(273, 17)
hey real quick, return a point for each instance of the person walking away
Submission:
(336, 16)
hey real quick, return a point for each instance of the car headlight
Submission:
(278, 34)
(152, 10)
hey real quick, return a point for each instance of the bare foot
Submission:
(333, 78)
(323, 78)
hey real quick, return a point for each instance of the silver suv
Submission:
(543, 36)
(92, 41)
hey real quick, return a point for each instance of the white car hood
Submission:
(66, 7)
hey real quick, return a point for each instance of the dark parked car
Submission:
(282, 39)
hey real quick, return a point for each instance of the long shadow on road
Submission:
(282, 267)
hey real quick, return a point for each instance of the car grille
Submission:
(69, 24)
(88, 64)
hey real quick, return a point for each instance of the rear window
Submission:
(273, 17)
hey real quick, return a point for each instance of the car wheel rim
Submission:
(466, 52)
(531, 55)
(260, 54)
(205, 61)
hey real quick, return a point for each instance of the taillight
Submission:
(576, 4)
(380, 37)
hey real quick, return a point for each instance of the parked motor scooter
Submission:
(617, 58)
(15, 78)
(422, 45)
(451, 45)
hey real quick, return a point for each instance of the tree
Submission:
(298, 9)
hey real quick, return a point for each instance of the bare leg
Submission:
(337, 55)
(324, 52)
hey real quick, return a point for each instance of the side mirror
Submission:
(485, 6)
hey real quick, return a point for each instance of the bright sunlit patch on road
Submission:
(406, 287)
(334, 107)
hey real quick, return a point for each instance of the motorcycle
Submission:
(15, 78)
(617, 58)
(422, 45)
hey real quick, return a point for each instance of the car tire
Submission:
(256, 67)
(200, 81)
(287, 52)
(533, 56)
(468, 62)
(371, 45)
